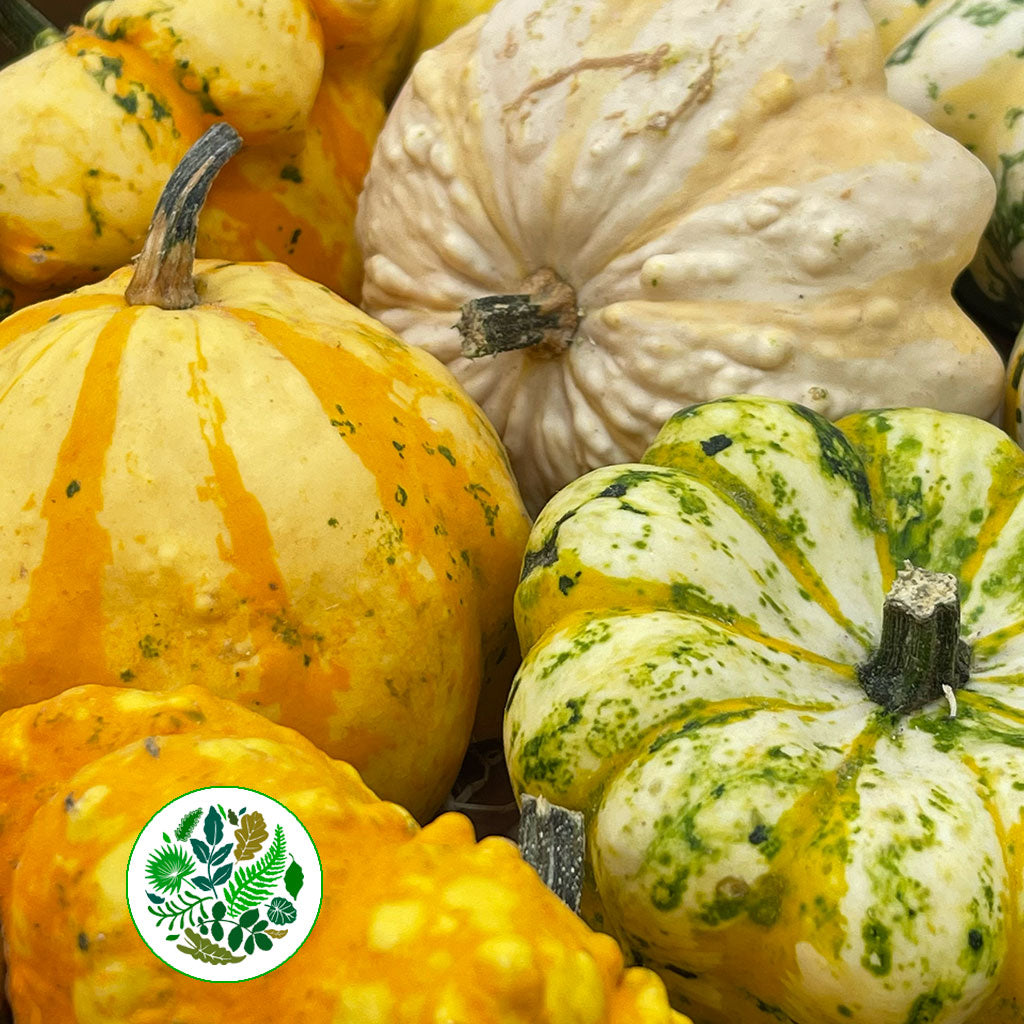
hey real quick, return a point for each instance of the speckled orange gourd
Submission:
(416, 925)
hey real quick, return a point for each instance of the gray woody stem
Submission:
(920, 652)
(551, 839)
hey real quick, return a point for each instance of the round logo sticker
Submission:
(224, 884)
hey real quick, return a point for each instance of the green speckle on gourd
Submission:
(692, 598)
(667, 893)
(877, 940)
(542, 758)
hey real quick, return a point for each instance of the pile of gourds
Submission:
(657, 445)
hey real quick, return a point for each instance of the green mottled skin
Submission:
(768, 839)
(955, 67)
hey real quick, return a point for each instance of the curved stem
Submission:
(163, 271)
(920, 656)
(543, 318)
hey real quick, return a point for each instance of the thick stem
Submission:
(163, 271)
(920, 653)
(20, 26)
(552, 840)
(543, 318)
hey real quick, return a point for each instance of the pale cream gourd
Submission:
(719, 198)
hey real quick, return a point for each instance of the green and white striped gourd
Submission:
(702, 630)
(959, 64)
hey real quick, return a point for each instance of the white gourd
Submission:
(719, 198)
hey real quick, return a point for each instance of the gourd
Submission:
(305, 82)
(601, 219)
(438, 19)
(222, 472)
(959, 66)
(415, 924)
(778, 666)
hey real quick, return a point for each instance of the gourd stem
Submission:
(552, 842)
(543, 319)
(163, 271)
(920, 653)
(20, 26)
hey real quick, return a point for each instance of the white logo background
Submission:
(229, 874)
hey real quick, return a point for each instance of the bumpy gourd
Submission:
(598, 218)
(260, 488)
(305, 82)
(803, 783)
(960, 66)
(415, 925)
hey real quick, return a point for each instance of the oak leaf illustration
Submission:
(251, 835)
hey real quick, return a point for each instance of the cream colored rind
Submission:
(772, 259)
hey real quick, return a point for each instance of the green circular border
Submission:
(225, 981)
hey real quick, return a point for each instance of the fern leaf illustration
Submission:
(253, 884)
(208, 951)
(188, 824)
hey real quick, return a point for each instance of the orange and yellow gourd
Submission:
(415, 925)
(95, 122)
(264, 491)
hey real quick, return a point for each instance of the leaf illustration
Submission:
(188, 823)
(253, 883)
(232, 817)
(235, 937)
(207, 950)
(221, 853)
(168, 867)
(201, 850)
(222, 874)
(248, 919)
(213, 826)
(281, 911)
(250, 944)
(153, 898)
(174, 911)
(201, 882)
(262, 940)
(293, 878)
(251, 835)
(277, 933)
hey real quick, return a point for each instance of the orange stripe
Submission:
(393, 441)
(290, 672)
(250, 546)
(31, 318)
(62, 623)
